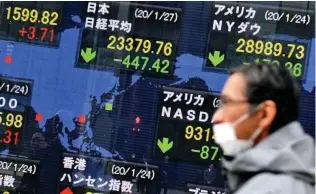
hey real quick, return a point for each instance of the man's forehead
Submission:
(235, 86)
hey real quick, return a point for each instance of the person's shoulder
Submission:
(268, 183)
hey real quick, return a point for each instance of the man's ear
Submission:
(269, 111)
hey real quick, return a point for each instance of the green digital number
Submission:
(165, 64)
(156, 65)
(126, 61)
(145, 59)
(296, 69)
(135, 62)
(215, 152)
(205, 152)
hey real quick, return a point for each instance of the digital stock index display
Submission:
(31, 22)
(15, 99)
(243, 33)
(118, 97)
(128, 36)
(184, 127)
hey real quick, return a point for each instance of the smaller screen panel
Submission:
(245, 33)
(184, 129)
(31, 22)
(129, 37)
(15, 98)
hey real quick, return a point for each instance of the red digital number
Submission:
(16, 138)
(32, 31)
(31, 35)
(44, 34)
(7, 137)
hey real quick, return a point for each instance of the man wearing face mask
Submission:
(266, 149)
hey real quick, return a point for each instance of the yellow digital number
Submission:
(45, 17)
(16, 13)
(33, 16)
(121, 41)
(250, 46)
(197, 133)
(139, 44)
(268, 48)
(300, 48)
(259, 47)
(292, 46)
(54, 16)
(189, 132)
(18, 121)
(129, 45)
(1, 113)
(300, 54)
(277, 49)
(15, 121)
(167, 50)
(146, 46)
(25, 15)
(112, 40)
(49, 18)
(11, 120)
(160, 43)
(8, 12)
(242, 43)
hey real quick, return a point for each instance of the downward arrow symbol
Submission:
(165, 145)
(217, 58)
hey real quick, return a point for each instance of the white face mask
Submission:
(225, 136)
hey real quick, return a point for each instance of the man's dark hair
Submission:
(276, 83)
